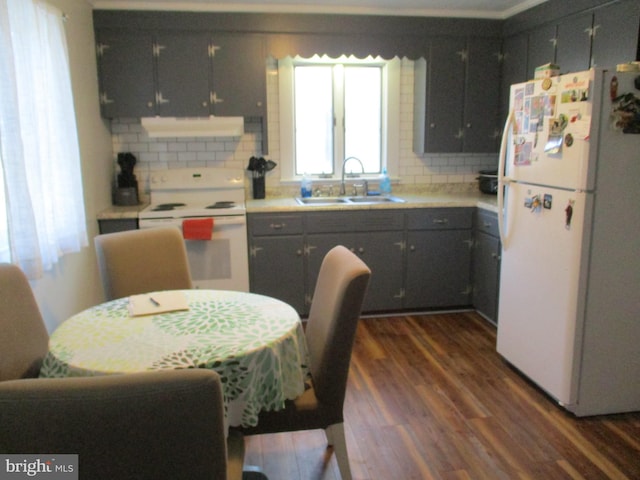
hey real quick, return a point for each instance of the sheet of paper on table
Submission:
(157, 302)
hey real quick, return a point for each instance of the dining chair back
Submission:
(24, 340)
(335, 309)
(143, 426)
(141, 261)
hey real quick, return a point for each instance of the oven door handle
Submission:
(229, 220)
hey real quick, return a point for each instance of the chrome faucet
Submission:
(343, 190)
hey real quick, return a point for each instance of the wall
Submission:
(74, 284)
(430, 172)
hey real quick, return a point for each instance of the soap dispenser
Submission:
(385, 183)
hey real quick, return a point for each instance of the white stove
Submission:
(186, 194)
(195, 192)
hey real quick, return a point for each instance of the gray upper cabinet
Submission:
(615, 34)
(573, 47)
(126, 72)
(541, 49)
(601, 37)
(182, 74)
(239, 85)
(456, 96)
(514, 69)
(481, 132)
(440, 81)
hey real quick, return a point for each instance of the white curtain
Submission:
(43, 211)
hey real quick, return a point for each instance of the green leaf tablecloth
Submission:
(255, 343)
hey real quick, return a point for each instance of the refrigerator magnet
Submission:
(547, 201)
(568, 214)
(568, 139)
(536, 204)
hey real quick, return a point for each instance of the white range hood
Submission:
(193, 126)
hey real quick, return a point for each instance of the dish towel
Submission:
(197, 228)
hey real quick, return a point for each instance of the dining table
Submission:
(255, 343)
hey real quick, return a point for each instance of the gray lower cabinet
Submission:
(438, 258)
(276, 257)
(486, 265)
(113, 225)
(419, 258)
(375, 236)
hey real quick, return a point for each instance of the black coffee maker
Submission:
(126, 191)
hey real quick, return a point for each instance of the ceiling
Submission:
(494, 9)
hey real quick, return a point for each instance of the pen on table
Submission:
(154, 301)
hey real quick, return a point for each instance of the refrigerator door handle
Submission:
(502, 180)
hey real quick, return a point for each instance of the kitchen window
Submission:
(333, 109)
(41, 202)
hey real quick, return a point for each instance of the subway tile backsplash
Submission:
(429, 171)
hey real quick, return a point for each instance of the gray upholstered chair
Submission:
(335, 310)
(141, 261)
(151, 425)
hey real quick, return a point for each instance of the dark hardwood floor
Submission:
(429, 398)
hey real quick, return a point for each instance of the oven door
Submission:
(221, 263)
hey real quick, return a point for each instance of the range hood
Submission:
(193, 126)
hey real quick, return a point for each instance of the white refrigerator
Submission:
(569, 211)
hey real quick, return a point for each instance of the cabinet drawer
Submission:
(260, 224)
(487, 222)
(440, 219)
(355, 221)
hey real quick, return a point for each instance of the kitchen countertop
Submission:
(115, 212)
(426, 200)
(289, 204)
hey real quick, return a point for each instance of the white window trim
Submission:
(390, 117)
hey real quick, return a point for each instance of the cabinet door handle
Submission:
(100, 48)
(412, 248)
(277, 226)
(213, 98)
(159, 99)
(401, 245)
(104, 99)
(157, 49)
(440, 221)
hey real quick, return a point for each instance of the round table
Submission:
(255, 343)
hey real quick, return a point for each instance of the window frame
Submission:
(390, 138)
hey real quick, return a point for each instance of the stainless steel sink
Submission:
(320, 200)
(347, 200)
(375, 199)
